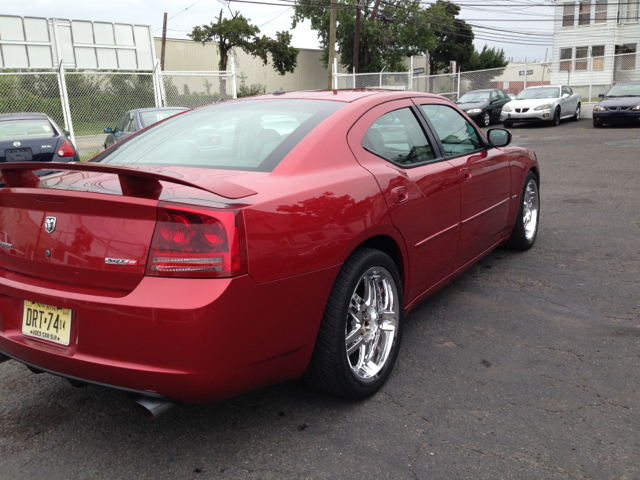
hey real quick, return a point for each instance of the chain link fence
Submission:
(385, 80)
(86, 102)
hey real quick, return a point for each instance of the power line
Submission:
(181, 11)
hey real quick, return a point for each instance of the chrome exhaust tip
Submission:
(152, 408)
(3, 358)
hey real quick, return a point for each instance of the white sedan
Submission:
(542, 104)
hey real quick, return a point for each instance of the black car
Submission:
(34, 136)
(621, 104)
(483, 106)
(135, 120)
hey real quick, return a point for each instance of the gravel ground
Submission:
(527, 366)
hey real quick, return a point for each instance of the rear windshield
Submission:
(25, 129)
(539, 93)
(149, 118)
(252, 135)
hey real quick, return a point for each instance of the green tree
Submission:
(454, 39)
(236, 31)
(488, 58)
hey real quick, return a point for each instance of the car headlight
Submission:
(636, 108)
(506, 108)
(475, 110)
(598, 108)
(546, 106)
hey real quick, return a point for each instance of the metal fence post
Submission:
(590, 77)
(354, 81)
(411, 75)
(64, 100)
(335, 73)
(525, 74)
(156, 85)
(459, 78)
(233, 78)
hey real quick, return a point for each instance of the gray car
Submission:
(549, 103)
(135, 120)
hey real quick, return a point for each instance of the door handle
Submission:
(466, 174)
(400, 195)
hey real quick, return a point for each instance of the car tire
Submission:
(556, 118)
(507, 124)
(351, 322)
(486, 119)
(525, 231)
(597, 124)
(576, 116)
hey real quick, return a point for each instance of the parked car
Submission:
(296, 249)
(542, 104)
(483, 106)
(137, 119)
(621, 104)
(26, 137)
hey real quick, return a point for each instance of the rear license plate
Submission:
(18, 155)
(46, 322)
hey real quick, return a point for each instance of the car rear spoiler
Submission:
(134, 182)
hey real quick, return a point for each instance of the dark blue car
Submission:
(621, 104)
(137, 119)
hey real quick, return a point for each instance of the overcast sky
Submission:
(272, 18)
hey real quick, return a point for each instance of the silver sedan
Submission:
(542, 104)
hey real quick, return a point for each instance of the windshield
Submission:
(25, 129)
(474, 97)
(149, 118)
(539, 93)
(622, 90)
(250, 135)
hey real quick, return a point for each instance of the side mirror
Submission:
(499, 137)
(601, 95)
(66, 132)
(108, 130)
(566, 95)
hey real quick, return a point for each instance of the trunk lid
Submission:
(37, 149)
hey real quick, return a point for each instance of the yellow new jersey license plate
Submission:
(46, 322)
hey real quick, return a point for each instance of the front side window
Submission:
(584, 14)
(601, 11)
(14, 129)
(581, 57)
(502, 95)
(121, 123)
(494, 96)
(398, 138)
(597, 52)
(565, 59)
(566, 91)
(568, 15)
(254, 135)
(130, 124)
(457, 136)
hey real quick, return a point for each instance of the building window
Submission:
(626, 59)
(597, 52)
(601, 11)
(565, 59)
(568, 15)
(582, 53)
(584, 14)
(629, 11)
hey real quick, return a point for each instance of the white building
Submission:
(595, 42)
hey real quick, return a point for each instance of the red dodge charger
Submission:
(247, 243)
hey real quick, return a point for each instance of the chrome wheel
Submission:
(530, 207)
(487, 119)
(577, 115)
(372, 323)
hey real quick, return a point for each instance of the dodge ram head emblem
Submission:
(50, 224)
(16, 144)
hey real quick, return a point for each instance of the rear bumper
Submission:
(189, 340)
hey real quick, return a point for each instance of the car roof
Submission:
(546, 86)
(628, 83)
(159, 109)
(483, 90)
(346, 96)
(23, 116)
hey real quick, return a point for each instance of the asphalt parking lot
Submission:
(528, 366)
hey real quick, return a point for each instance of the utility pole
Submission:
(164, 41)
(356, 40)
(332, 42)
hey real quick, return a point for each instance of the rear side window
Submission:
(25, 129)
(398, 138)
(252, 135)
(456, 134)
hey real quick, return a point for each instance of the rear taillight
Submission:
(66, 149)
(197, 243)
